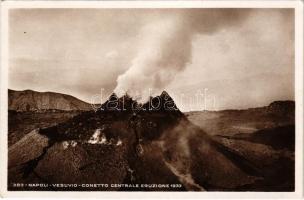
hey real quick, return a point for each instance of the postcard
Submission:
(174, 98)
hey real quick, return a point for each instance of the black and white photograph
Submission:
(151, 99)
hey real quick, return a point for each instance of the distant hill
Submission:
(29, 100)
(230, 122)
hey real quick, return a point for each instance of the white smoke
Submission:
(166, 49)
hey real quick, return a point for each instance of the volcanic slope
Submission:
(122, 145)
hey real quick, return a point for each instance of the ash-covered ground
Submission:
(153, 146)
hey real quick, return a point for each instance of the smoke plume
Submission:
(166, 48)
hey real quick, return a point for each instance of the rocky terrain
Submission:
(264, 137)
(21, 123)
(235, 150)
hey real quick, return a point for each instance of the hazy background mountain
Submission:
(29, 100)
(231, 122)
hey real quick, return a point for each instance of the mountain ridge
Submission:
(30, 100)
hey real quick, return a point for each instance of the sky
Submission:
(205, 58)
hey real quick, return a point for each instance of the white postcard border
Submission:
(297, 5)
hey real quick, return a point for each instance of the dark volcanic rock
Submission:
(152, 144)
(21, 123)
(101, 147)
(281, 137)
(282, 105)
